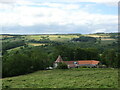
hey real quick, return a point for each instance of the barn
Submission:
(78, 63)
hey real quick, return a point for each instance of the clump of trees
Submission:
(13, 44)
(24, 61)
(76, 53)
(62, 66)
(85, 39)
(40, 41)
(110, 58)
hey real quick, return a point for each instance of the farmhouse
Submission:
(80, 63)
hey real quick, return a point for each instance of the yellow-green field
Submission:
(71, 78)
(94, 35)
(36, 44)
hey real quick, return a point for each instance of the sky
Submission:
(58, 16)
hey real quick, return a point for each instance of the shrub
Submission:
(59, 37)
(83, 66)
(24, 61)
(85, 39)
(62, 66)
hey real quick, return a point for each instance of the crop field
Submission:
(71, 78)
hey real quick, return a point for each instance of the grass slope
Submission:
(72, 78)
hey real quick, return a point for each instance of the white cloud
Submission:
(7, 1)
(99, 30)
(16, 1)
(46, 15)
(108, 2)
(54, 13)
(26, 2)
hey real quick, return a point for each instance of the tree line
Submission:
(12, 44)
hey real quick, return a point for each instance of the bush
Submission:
(62, 66)
(85, 39)
(24, 61)
(59, 37)
(83, 66)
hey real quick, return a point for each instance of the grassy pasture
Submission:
(72, 78)
(30, 44)
(1, 37)
(96, 36)
(35, 44)
(5, 36)
(36, 37)
(107, 41)
(52, 37)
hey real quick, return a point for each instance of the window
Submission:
(75, 62)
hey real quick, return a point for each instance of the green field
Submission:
(71, 78)
(35, 44)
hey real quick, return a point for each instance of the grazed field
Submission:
(94, 35)
(52, 37)
(72, 78)
(35, 44)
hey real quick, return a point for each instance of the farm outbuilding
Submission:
(78, 63)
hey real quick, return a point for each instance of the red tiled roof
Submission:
(88, 62)
(69, 62)
(82, 62)
(95, 62)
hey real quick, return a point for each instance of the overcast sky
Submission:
(58, 16)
